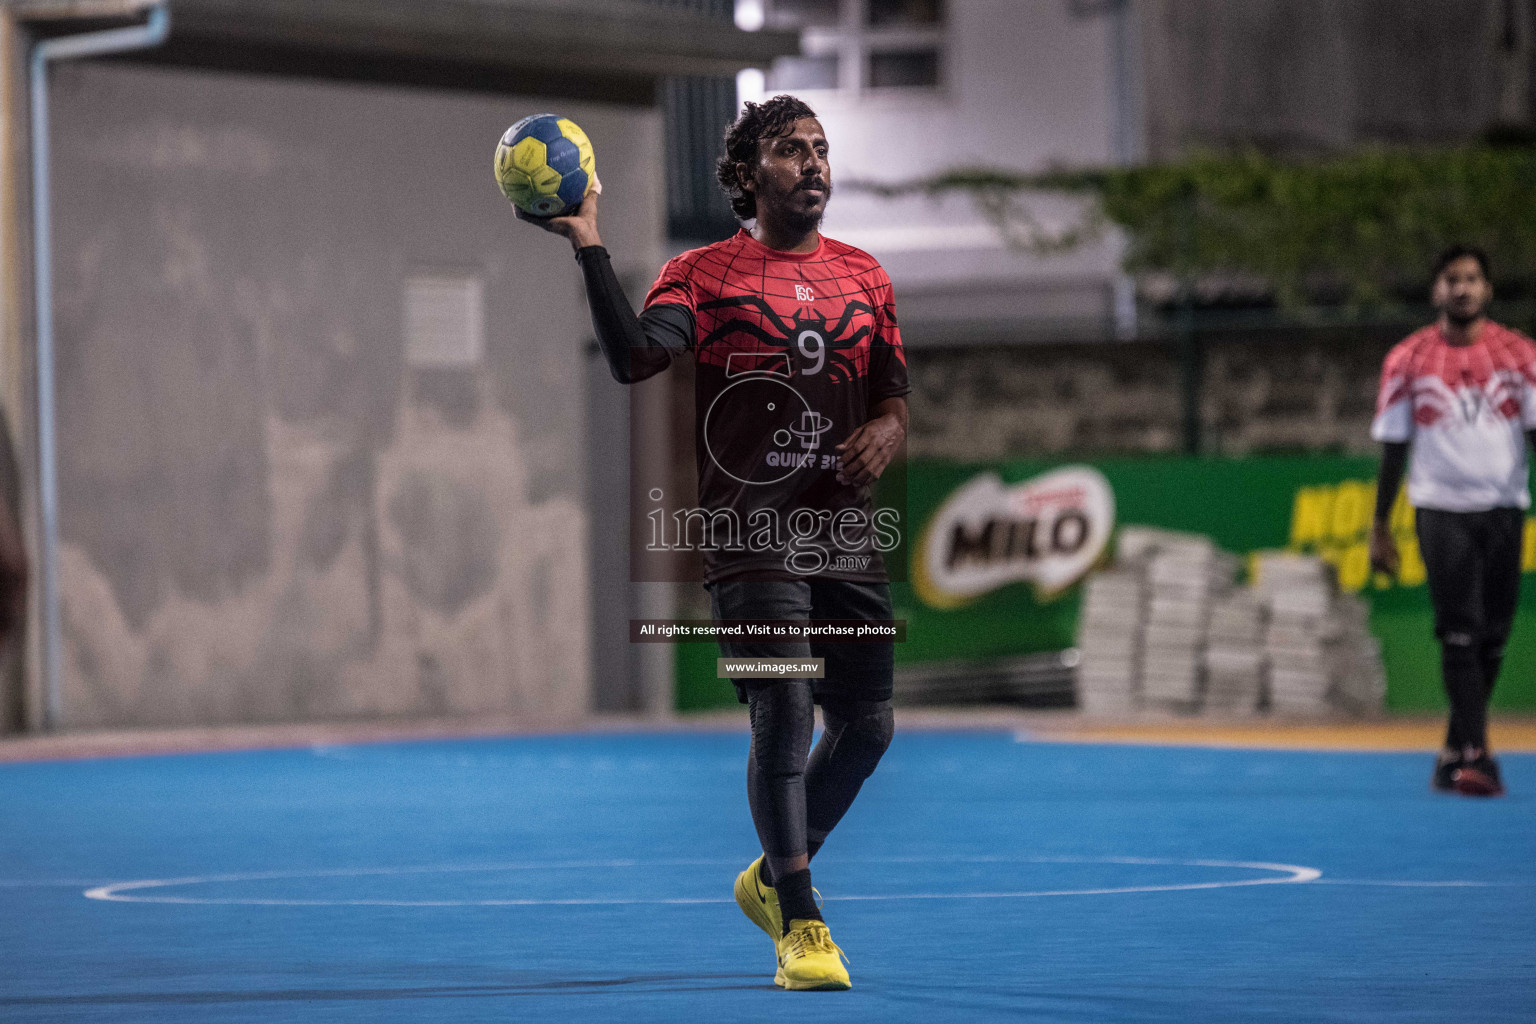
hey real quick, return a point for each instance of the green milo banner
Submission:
(996, 553)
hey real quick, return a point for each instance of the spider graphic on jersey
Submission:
(1435, 400)
(810, 339)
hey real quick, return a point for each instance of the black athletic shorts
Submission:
(854, 671)
(1473, 563)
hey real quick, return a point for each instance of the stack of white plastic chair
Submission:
(1300, 638)
(1112, 622)
(1109, 638)
(1183, 581)
(1166, 629)
(1359, 678)
(1234, 654)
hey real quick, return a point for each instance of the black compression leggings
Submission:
(798, 795)
(1473, 563)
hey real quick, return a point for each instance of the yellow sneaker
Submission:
(759, 902)
(809, 959)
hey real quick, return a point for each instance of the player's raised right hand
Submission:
(580, 228)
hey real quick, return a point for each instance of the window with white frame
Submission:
(854, 45)
(444, 320)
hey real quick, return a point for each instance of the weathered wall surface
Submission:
(1261, 394)
(267, 511)
(1309, 75)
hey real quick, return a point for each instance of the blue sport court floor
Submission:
(982, 876)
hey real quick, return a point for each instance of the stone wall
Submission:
(1261, 392)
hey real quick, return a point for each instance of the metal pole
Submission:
(1125, 148)
(85, 44)
(1128, 142)
(1191, 377)
(1191, 345)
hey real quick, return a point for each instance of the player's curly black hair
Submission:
(1453, 253)
(757, 121)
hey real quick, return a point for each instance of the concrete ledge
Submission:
(53, 10)
(597, 37)
(603, 50)
(69, 746)
(1509, 733)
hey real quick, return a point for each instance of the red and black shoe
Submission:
(1479, 776)
(1447, 764)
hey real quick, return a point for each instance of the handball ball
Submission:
(544, 164)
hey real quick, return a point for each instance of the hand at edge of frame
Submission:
(1384, 556)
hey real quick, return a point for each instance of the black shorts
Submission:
(1473, 563)
(854, 670)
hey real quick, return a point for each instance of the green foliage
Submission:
(1361, 228)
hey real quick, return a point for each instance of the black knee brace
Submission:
(783, 718)
(861, 730)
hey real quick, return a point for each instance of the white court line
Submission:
(125, 892)
(1410, 884)
(71, 883)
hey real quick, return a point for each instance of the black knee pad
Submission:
(1460, 649)
(782, 718)
(863, 729)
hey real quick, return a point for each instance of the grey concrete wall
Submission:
(266, 513)
(1309, 75)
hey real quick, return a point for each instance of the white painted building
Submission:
(909, 88)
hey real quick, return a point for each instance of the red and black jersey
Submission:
(792, 352)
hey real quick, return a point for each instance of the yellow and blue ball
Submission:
(544, 165)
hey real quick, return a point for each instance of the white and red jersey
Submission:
(1465, 409)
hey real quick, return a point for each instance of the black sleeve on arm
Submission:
(636, 347)
(1394, 459)
(887, 373)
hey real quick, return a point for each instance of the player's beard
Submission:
(804, 220)
(1460, 319)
